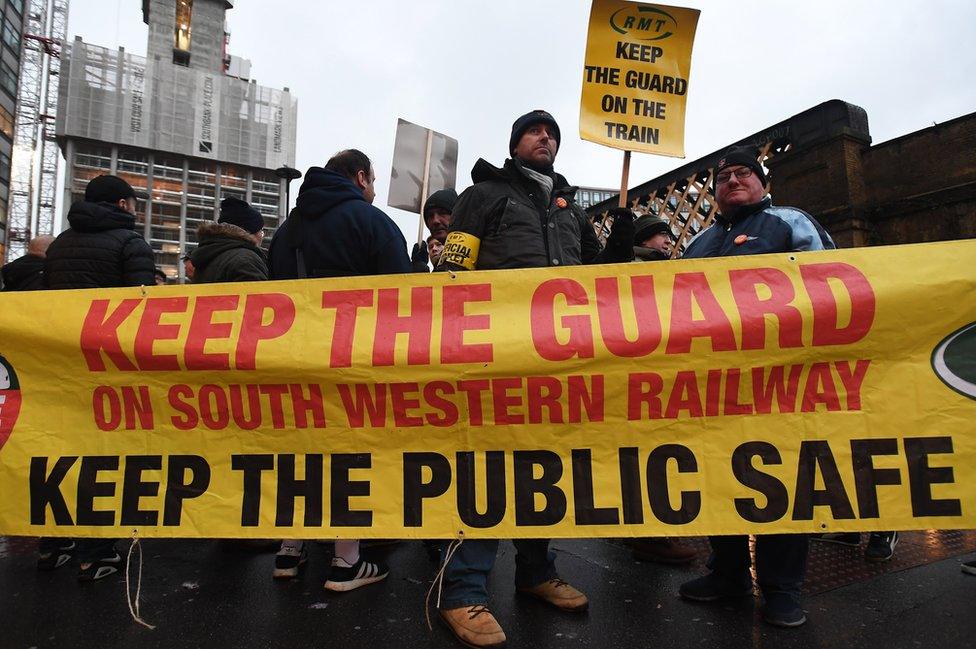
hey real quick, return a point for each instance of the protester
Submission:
(434, 249)
(543, 226)
(27, 272)
(100, 250)
(188, 270)
(335, 231)
(652, 238)
(228, 249)
(437, 217)
(160, 276)
(748, 224)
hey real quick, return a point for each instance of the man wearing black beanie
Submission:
(229, 248)
(522, 215)
(749, 224)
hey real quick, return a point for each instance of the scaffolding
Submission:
(33, 187)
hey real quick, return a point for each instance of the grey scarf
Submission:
(545, 182)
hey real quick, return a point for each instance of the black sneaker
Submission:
(852, 539)
(782, 609)
(881, 546)
(100, 568)
(713, 587)
(290, 559)
(58, 557)
(344, 577)
(969, 567)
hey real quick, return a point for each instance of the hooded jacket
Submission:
(504, 221)
(338, 233)
(759, 229)
(226, 253)
(101, 249)
(24, 274)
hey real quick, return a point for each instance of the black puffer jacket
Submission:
(100, 250)
(338, 233)
(24, 274)
(226, 253)
(503, 221)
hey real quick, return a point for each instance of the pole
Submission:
(624, 177)
(424, 187)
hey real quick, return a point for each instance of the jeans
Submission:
(466, 576)
(781, 561)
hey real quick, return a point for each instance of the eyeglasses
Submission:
(741, 173)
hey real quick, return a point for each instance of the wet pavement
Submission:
(220, 594)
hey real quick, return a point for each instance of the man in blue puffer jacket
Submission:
(749, 224)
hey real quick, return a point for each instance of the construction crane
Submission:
(33, 186)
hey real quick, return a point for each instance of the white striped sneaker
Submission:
(344, 577)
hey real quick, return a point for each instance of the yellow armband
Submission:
(461, 248)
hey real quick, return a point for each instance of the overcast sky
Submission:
(469, 68)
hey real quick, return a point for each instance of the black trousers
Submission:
(781, 560)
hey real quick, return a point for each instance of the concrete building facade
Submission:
(176, 126)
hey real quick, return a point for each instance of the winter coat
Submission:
(24, 274)
(101, 249)
(337, 232)
(649, 254)
(759, 229)
(503, 221)
(226, 253)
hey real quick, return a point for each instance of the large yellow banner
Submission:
(791, 392)
(635, 76)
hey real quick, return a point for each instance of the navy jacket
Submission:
(24, 274)
(759, 229)
(338, 232)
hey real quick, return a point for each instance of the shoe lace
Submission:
(439, 579)
(477, 610)
(558, 583)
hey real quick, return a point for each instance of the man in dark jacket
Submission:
(101, 249)
(437, 212)
(334, 227)
(334, 231)
(523, 215)
(27, 273)
(748, 224)
(652, 238)
(228, 249)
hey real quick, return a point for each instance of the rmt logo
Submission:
(9, 400)
(644, 23)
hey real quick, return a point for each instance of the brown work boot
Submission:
(661, 550)
(559, 594)
(474, 626)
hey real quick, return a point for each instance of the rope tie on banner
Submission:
(134, 609)
(439, 579)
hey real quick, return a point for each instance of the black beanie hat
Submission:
(647, 226)
(237, 212)
(442, 198)
(745, 156)
(523, 123)
(108, 189)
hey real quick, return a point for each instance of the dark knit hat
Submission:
(745, 156)
(523, 123)
(442, 198)
(237, 212)
(108, 189)
(647, 226)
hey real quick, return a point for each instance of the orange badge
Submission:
(741, 239)
(561, 202)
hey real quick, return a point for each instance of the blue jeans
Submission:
(781, 561)
(466, 577)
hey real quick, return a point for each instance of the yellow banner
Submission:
(778, 393)
(635, 76)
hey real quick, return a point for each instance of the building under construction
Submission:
(183, 125)
(12, 26)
